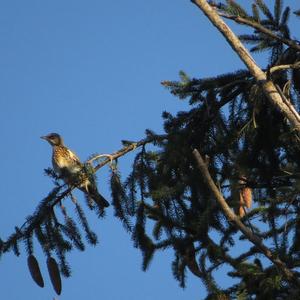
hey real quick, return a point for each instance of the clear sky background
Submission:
(91, 70)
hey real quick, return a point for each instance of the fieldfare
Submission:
(67, 166)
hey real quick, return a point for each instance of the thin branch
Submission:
(125, 150)
(38, 218)
(260, 28)
(284, 67)
(287, 102)
(232, 217)
(267, 85)
(90, 161)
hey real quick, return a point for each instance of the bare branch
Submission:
(284, 67)
(90, 161)
(123, 151)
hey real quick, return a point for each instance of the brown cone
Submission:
(35, 271)
(54, 274)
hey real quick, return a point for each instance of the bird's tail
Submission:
(96, 196)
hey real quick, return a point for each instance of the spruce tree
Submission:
(220, 187)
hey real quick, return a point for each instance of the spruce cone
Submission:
(35, 271)
(245, 197)
(54, 274)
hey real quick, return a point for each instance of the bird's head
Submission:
(54, 139)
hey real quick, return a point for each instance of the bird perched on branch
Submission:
(67, 166)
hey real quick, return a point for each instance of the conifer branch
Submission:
(267, 85)
(47, 205)
(232, 217)
(260, 28)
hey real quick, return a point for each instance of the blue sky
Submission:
(91, 70)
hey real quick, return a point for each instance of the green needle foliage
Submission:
(232, 122)
(165, 203)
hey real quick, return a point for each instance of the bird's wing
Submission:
(73, 156)
(65, 158)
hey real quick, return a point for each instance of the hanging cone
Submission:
(242, 205)
(54, 274)
(247, 196)
(35, 271)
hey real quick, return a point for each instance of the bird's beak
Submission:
(44, 137)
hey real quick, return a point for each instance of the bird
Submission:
(67, 165)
